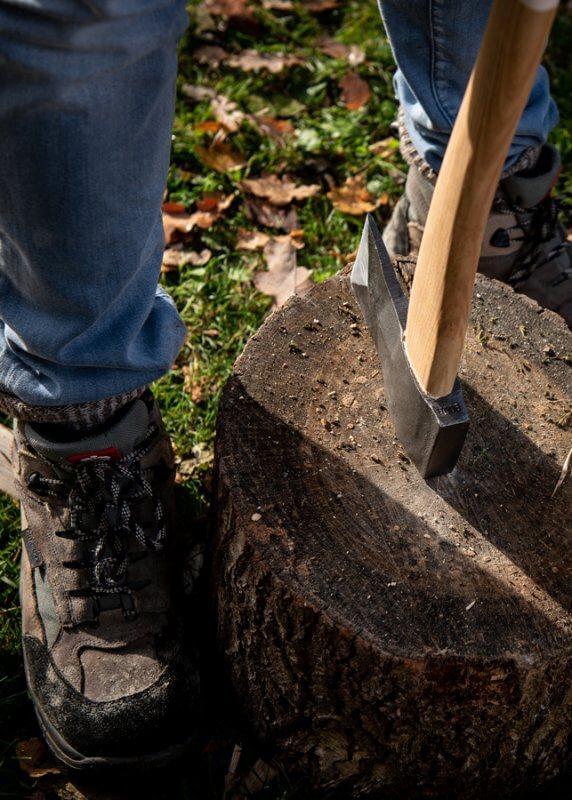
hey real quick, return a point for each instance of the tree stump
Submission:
(392, 637)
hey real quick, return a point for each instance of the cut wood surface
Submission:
(391, 637)
(6, 476)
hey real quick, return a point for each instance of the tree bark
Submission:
(392, 637)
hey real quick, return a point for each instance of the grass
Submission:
(218, 302)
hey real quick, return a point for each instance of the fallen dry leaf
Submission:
(221, 157)
(177, 226)
(215, 201)
(278, 5)
(256, 240)
(238, 13)
(283, 278)
(195, 388)
(331, 47)
(201, 454)
(227, 113)
(251, 240)
(385, 147)
(34, 758)
(197, 93)
(253, 61)
(173, 208)
(212, 55)
(271, 216)
(271, 126)
(355, 91)
(175, 257)
(209, 126)
(564, 473)
(317, 6)
(353, 197)
(354, 55)
(278, 191)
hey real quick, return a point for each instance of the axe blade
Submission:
(431, 430)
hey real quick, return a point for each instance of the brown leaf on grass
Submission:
(201, 454)
(277, 5)
(355, 91)
(197, 93)
(253, 61)
(178, 226)
(175, 225)
(227, 113)
(384, 147)
(256, 240)
(34, 758)
(330, 47)
(238, 12)
(278, 191)
(277, 129)
(173, 208)
(353, 197)
(271, 216)
(354, 55)
(208, 126)
(283, 278)
(212, 55)
(174, 258)
(221, 157)
(197, 389)
(251, 240)
(215, 201)
(317, 6)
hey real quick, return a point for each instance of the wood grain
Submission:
(390, 637)
(494, 100)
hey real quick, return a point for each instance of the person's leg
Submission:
(435, 43)
(86, 108)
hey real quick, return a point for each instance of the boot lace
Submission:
(110, 502)
(535, 230)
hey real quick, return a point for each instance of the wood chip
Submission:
(563, 474)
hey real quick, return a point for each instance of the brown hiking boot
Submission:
(102, 638)
(524, 243)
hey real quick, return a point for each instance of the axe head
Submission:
(432, 431)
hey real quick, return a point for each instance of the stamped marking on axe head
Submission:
(432, 430)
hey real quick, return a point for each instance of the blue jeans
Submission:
(435, 44)
(86, 113)
(86, 107)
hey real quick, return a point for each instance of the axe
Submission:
(420, 342)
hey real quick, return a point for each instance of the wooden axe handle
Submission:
(496, 95)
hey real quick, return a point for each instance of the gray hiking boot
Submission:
(102, 639)
(524, 243)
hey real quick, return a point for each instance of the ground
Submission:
(319, 111)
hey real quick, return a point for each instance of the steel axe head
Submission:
(431, 430)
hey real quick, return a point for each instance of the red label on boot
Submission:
(109, 454)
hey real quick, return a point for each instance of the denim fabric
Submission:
(435, 44)
(86, 111)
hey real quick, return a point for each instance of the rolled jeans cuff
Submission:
(526, 160)
(81, 416)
